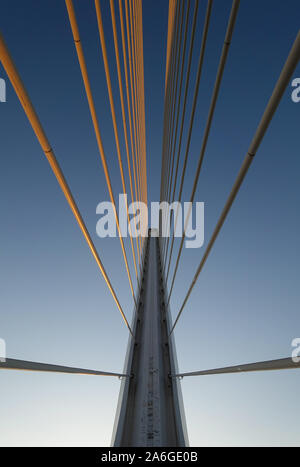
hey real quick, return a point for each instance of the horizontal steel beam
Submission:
(271, 365)
(11, 364)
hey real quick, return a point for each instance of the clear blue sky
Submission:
(54, 305)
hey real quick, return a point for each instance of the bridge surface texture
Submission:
(151, 411)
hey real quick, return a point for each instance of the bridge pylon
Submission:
(150, 410)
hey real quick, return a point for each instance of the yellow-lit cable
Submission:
(133, 94)
(171, 22)
(139, 94)
(141, 41)
(81, 59)
(25, 101)
(113, 113)
(117, 53)
(129, 102)
(136, 88)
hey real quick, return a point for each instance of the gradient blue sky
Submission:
(54, 305)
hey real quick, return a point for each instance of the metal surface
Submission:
(271, 365)
(150, 410)
(12, 364)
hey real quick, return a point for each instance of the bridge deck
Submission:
(152, 413)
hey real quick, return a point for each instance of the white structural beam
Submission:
(12, 364)
(271, 365)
